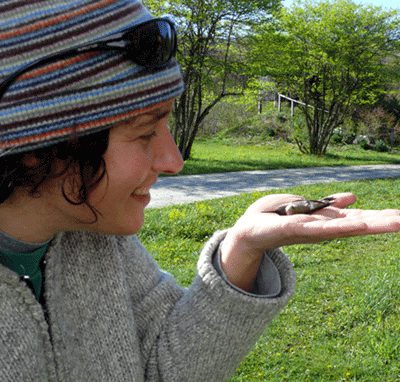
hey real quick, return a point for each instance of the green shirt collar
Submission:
(26, 265)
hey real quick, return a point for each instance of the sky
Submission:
(394, 4)
(386, 4)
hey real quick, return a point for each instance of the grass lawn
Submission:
(343, 323)
(210, 156)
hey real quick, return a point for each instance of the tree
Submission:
(332, 56)
(210, 54)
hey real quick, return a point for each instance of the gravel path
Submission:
(191, 188)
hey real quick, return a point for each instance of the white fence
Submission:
(292, 101)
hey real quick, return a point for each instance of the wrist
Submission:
(239, 263)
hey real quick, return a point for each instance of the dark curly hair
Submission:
(85, 154)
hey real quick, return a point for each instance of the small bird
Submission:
(304, 206)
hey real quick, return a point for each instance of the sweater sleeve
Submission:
(201, 333)
(267, 283)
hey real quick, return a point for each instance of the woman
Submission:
(83, 136)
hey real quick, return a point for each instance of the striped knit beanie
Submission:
(81, 94)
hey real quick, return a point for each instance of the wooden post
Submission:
(279, 102)
(291, 108)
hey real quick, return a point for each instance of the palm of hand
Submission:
(260, 228)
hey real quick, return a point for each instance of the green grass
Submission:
(343, 323)
(210, 156)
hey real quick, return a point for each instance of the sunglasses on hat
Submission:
(150, 44)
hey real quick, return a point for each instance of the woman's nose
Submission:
(167, 157)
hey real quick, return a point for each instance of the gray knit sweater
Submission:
(113, 315)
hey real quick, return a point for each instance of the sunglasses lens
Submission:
(152, 44)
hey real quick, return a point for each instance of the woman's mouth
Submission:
(142, 195)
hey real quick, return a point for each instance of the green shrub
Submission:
(381, 146)
(337, 138)
(364, 142)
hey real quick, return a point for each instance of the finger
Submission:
(335, 213)
(332, 212)
(352, 227)
(342, 199)
(362, 214)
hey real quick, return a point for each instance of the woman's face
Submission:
(139, 151)
(137, 154)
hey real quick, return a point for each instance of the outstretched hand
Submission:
(260, 228)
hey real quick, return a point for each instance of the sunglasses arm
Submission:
(112, 44)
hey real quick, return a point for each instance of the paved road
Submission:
(191, 188)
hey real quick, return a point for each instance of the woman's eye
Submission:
(148, 136)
